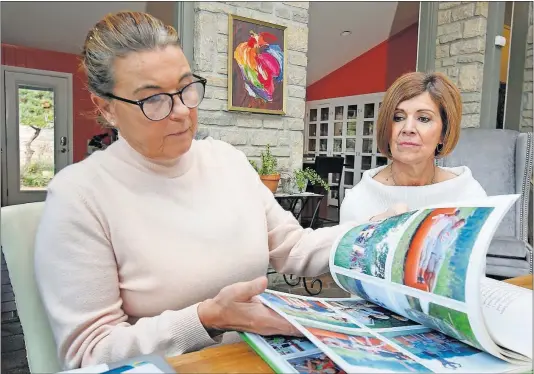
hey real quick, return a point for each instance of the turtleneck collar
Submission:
(166, 168)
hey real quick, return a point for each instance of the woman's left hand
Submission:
(236, 308)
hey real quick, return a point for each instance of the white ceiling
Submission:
(371, 23)
(62, 26)
(55, 25)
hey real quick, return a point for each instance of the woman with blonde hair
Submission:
(418, 122)
(160, 243)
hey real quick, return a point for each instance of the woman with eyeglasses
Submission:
(160, 243)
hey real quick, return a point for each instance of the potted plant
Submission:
(302, 177)
(268, 171)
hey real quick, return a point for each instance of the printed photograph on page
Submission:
(373, 316)
(426, 311)
(294, 355)
(443, 354)
(434, 251)
(365, 248)
(363, 352)
(308, 311)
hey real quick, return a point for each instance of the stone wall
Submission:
(460, 49)
(247, 131)
(527, 102)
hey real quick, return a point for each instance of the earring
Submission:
(438, 150)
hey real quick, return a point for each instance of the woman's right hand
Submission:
(236, 308)
(393, 210)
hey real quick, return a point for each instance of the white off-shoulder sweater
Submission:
(370, 197)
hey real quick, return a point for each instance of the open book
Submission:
(421, 301)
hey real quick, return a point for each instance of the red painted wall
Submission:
(84, 127)
(373, 71)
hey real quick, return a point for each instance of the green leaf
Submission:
(36, 108)
(269, 163)
(302, 177)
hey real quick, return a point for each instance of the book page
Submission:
(286, 354)
(426, 265)
(507, 311)
(359, 336)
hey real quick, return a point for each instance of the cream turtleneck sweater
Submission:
(128, 247)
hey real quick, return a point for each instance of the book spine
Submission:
(265, 357)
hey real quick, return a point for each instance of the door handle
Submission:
(63, 150)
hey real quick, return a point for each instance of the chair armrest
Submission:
(529, 256)
(523, 167)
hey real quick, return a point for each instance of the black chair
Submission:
(324, 166)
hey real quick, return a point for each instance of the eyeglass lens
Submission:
(158, 107)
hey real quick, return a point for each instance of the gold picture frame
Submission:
(267, 95)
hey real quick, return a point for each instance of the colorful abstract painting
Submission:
(256, 66)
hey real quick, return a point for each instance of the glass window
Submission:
(313, 115)
(36, 114)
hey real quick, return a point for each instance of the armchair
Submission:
(19, 226)
(501, 161)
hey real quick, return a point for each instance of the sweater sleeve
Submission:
(293, 249)
(77, 276)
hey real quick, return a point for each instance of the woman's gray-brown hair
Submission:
(116, 35)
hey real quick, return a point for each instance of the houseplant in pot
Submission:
(302, 177)
(268, 171)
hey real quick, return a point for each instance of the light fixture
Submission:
(346, 33)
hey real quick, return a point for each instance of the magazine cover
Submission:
(420, 302)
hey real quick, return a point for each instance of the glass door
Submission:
(319, 131)
(345, 127)
(368, 139)
(378, 159)
(370, 157)
(36, 133)
(361, 151)
(334, 179)
(312, 146)
(349, 151)
(323, 130)
(337, 136)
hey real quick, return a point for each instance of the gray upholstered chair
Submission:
(501, 161)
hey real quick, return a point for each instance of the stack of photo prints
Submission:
(420, 301)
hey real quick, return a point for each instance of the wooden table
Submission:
(240, 358)
(231, 358)
(524, 281)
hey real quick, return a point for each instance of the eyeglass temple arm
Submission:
(110, 95)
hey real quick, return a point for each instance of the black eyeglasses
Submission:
(159, 106)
